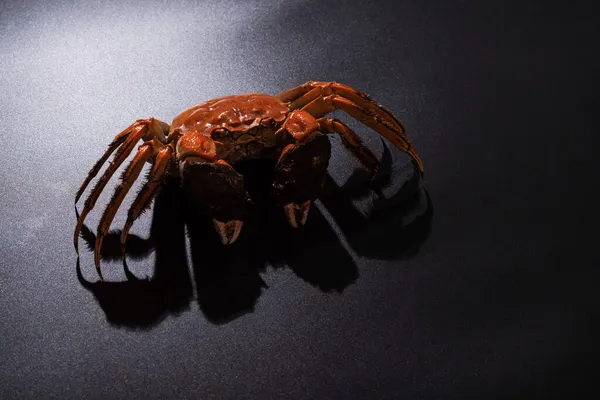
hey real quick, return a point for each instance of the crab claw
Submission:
(297, 213)
(299, 177)
(228, 231)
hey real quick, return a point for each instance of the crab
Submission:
(204, 143)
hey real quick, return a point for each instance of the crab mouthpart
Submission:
(228, 231)
(297, 213)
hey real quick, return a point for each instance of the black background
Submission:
(488, 291)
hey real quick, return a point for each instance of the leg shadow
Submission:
(144, 303)
(386, 219)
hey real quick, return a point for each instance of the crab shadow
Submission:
(227, 279)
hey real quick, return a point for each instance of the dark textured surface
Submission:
(497, 298)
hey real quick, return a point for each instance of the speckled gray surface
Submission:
(489, 296)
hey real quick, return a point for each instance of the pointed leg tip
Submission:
(99, 272)
(76, 239)
(97, 262)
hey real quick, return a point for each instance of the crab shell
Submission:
(232, 128)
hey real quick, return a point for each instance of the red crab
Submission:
(204, 142)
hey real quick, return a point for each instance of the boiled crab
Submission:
(204, 142)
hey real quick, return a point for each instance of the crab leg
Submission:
(305, 98)
(117, 141)
(310, 97)
(293, 93)
(321, 106)
(141, 128)
(352, 142)
(130, 174)
(148, 191)
(301, 95)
